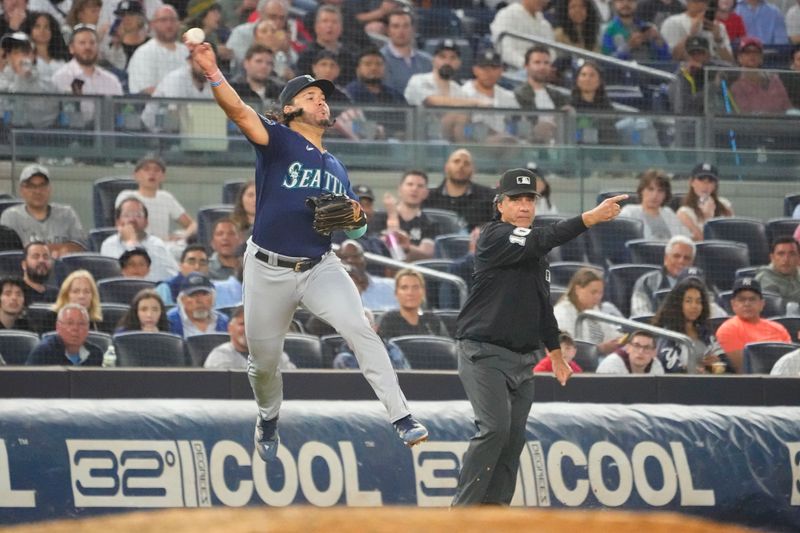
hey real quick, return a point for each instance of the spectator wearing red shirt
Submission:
(733, 23)
(568, 350)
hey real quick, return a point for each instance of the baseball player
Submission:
(302, 194)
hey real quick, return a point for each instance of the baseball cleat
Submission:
(410, 431)
(266, 438)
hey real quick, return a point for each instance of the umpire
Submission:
(506, 318)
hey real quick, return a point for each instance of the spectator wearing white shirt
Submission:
(524, 17)
(788, 365)
(488, 70)
(677, 28)
(131, 221)
(638, 356)
(159, 56)
(793, 23)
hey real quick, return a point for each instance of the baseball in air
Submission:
(195, 35)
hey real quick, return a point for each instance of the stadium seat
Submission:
(140, 348)
(450, 318)
(121, 290)
(556, 292)
(715, 322)
(773, 303)
(447, 221)
(791, 323)
(747, 272)
(41, 317)
(676, 201)
(561, 272)
(633, 197)
(451, 246)
(206, 217)
(98, 235)
(661, 295)
(433, 285)
(607, 240)
(11, 263)
(781, 227)
(104, 194)
(749, 231)
(760, 357)
(428, 352)
(586, 356)
(720, 260)
(574, 250)
(199, 346)
(5, 203)
(619, 284)
(646, 251)
(101, 266)
(16, 344)
(98, 338)
(330, 347)
(305, 351)
(230, 190)
(112, 314)
(790, 202)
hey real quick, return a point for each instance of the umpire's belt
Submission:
(297, 266)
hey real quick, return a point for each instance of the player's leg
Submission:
(330, 294)
(270, 299)
(504, 481)
(487, 391)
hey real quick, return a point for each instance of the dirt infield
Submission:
(381, 520)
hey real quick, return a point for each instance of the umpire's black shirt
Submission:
(509, 305)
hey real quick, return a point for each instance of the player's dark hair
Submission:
(14, 280)
(197, 247)
(536, 49)
(118, 209)
(788, 239)
(130, 321)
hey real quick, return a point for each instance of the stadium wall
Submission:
(76, 458)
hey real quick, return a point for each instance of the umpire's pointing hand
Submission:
(606, 210)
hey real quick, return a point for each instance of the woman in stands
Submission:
(244, 210)
(48, 43)
(80, 288)
(577, 23)
(589, 94)
(585, 292)
(702, 201)
(660, 221)
(147, 313)
(686, 310)
(410, 318)
(82, 12)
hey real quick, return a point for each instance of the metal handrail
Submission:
(680, 338)
(443, 276)
(600, 58)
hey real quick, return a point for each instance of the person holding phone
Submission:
(693, 23)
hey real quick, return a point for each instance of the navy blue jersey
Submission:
(289, 169)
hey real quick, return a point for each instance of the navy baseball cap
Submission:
(363, 191)
(447, 44)
(697, 43)
(746, 284)
(16, 40)
(489, 58)
(705, 170)
(300, 83)
(518, 181)
(691, 272)
(196, 282)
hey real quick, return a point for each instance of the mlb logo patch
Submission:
(523, 180)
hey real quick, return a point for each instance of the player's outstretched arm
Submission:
(240, 113)
(606, 210)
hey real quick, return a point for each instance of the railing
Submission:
(632, 325)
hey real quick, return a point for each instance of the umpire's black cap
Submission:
(518, 181)
(295, 85)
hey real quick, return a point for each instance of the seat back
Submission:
(199, 346)
(747, 272)
(792, 325)
(760, 357)
(101, 266)
(98, 338)
(5, 203)
(104, 194)
(451, 246)
(574, 250)
(607, 240)
(121, 290)
(619, 284)
(98, 235)
(676, 201)
(428, 352)
(330, 346)
(206, 217)
(720, 260)
(144, 349)
(15, 345)
(633, 197)
(450, 319)
(586, 356)
(790, 202)
(561, 272)
(646, 251)
(447, 221)
(305, 351)
(556, 293)
(11, 263)
(112, 314)
(41, 317)
(230, 190)
(781, 227)
(715, 322)
(749, 231)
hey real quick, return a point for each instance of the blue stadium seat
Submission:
(720, 260)
(98, 235)
(230, 190)
(98, 338)
(140, 348)
(121, 290)
(447, 221)
(561, 272)
(305, 351)
(16, 344)
(41, 317)
(760, 357)
(574, 250)
(790, 202)
(451, 246)
(607, 240)
(112, 314)
(199, 346)
(432, 285)
(428, 352)
(101, 266)
(791, 323)
(104, 194)
(781, 227)
(206, 217)
(633, 197)
(11, 263)
(749, 231)
(646, 251)
(586, 355)
(619, 284)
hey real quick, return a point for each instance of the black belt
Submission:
(297, 266)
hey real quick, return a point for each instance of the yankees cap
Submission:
(518, 181)
(196, 282)
(704, 170)
(363, 191)
(300, 83)
(746, 284)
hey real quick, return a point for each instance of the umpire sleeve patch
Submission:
(522, 232)
(516, 239)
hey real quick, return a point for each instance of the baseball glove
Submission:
(335, 212)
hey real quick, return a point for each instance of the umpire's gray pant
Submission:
(499, 385)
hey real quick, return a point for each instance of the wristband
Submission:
(216, 78)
